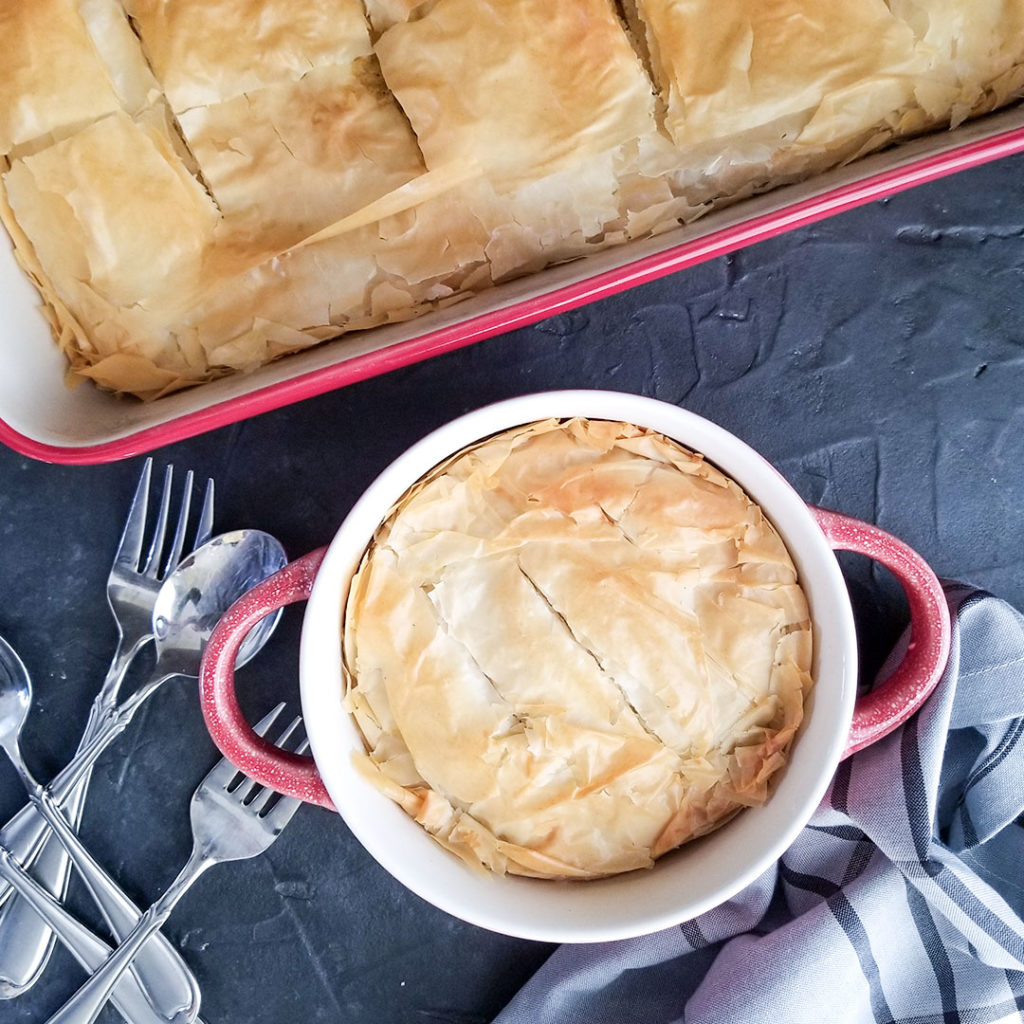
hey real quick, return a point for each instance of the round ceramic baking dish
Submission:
(682, 884)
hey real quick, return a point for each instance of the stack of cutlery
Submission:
(168, 594)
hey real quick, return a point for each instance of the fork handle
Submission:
(23, 834)
(23, 953)
(28, 831)
(87, 1003)
(25, 940)
(168, 981)
(106, 697)
(88, 949)
(293, 775)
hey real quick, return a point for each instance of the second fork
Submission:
(230, 821)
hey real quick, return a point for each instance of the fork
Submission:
(230, 821)
(133, 585)
(25, 941)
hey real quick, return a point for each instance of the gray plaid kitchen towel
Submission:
(902, 901)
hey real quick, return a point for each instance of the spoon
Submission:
(192, 600)
(190, 603)
(188, 606)
(169, 983)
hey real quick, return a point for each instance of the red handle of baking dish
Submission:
(891, 703)
(292, 774)
(876, 713)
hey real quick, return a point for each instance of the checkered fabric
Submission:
(901, 902)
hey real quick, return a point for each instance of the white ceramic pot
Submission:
(682, 884)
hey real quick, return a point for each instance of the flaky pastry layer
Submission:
(365, 162)
(574, 647)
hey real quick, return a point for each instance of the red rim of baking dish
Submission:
(527, 311)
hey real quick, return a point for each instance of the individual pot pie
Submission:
(306, 169)
(573, 647)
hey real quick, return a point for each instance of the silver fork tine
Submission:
(257, 804)
(278, 821)
(262, 727)
(157, 545)
(178, 543)
(224, 771)
(283, 739)
(244, 788)
(281, 813)
(205, 528)
(260, 801)
(129, 550)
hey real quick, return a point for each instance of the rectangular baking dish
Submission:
(40, 416)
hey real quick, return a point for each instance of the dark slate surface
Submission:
(877, 358)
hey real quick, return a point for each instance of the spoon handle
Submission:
(88, 949)
(171, 986)
(25, 942)
(26, 831)
(52, 868)
(87, 1003)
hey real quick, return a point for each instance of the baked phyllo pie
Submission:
(286, 160)
(210, 51)
(198, 187)
(120, 231)
(62, 71)
(572, 648)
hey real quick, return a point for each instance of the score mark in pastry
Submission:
(572, 648)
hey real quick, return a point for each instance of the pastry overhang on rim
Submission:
(572, 648)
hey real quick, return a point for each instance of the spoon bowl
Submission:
(190, 603)
(202, 587)
(15, 693)
(199, 590)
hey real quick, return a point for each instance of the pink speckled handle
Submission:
(876, 713)
(884, 708)
(288, 773)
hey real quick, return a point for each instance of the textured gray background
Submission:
(876, 358)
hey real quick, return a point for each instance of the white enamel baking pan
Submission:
(42, 417)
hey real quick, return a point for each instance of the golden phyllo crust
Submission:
(210, 51)
(288, 159)
(53, 77)
(476, 93)
(574, 647)
(337, 165)
(778, 60)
